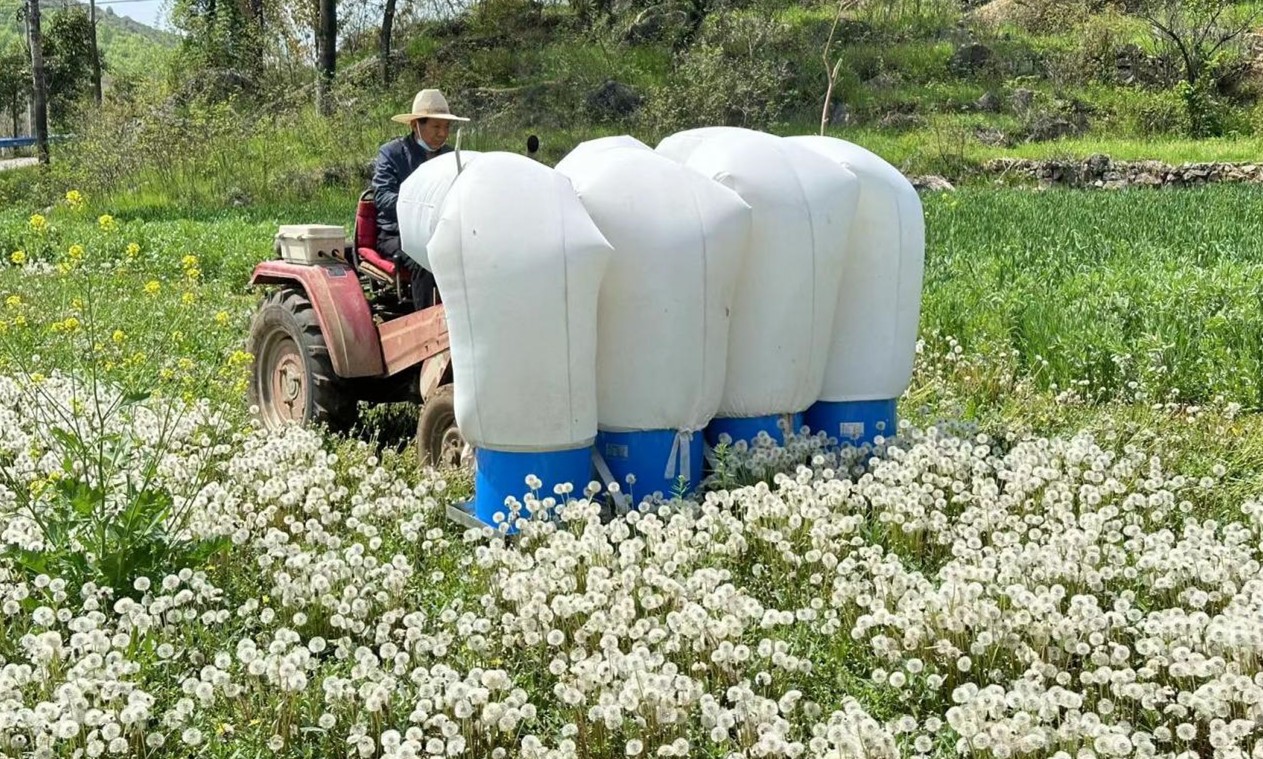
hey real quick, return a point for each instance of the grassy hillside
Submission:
(128, 47)
(933, 86)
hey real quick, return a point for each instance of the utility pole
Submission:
(96, 55)
(38, 83)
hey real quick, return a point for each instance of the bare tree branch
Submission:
(832, 72)
(1196, 30)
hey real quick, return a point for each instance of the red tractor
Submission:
(339, 327)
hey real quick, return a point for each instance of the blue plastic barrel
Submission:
(748, 428)
(668, 462)
(500, 475)
(854, 422)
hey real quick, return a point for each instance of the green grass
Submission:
(307, 169)
(1142, 296)
(1169, 150)
(947, 144)
(1137, 295)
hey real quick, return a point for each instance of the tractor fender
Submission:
(355, 348)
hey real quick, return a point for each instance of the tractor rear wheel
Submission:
(439, 442)
(292, 379)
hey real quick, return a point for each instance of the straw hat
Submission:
(428, 104)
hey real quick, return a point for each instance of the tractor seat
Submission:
(369, 260)
(378, 261)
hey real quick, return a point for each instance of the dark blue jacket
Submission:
(396, 160)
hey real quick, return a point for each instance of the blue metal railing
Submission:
(26, 142)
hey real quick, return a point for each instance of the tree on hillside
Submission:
(67, 60)
(1196, 34)
(327, 60)
(96, 53)
(15, 82)
(1198, 30)
(388, 24)
(222, 37)
(39, 84)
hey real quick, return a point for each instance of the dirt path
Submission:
(16, 163)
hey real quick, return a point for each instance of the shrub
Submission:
(1098, 42)
(1039, 16)
(732, 76)
(710, 89)
(1154, 114)
(910, 19)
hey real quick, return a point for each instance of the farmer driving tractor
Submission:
(430, 120)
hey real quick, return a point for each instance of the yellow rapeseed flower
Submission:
(13, 301)
(221, 318)
(74, 199)
(76, 304)
(152, 287)
(184, 364)
(188, 298)
(240, 358)
(76, 252)
(18, 257)
(189, 261)
(38, 222)
(133, 250)
(106, 223)
(119, 336)
(19, 321)
(192, 274)
(37, 378)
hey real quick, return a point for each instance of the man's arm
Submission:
(386, 183)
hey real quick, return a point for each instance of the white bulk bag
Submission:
(782, 318)
(590, 147)
(519, 265)
(679, 146)
(679, 239)
(421, 200)
(879, 307)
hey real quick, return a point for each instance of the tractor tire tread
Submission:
(435, 410)
(332, 403)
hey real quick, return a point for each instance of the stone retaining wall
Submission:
(1101, 172)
